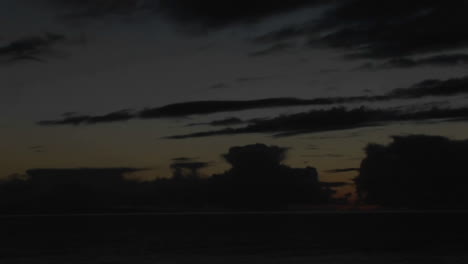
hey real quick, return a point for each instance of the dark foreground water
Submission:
(384, 237)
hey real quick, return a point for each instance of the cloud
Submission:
(343, 170)
(99, 8)
(182, 159)
(337, 118)
(187, 169)
(257, 179)
(213, 14)
(448, 87)
(439, 60)
(433, 87)
(417, 171)
(222, 122)
(387, 29)
(200, 15)
(72, 119)
(209, 107)
(33, 48)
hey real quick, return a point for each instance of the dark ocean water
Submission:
(378, 237)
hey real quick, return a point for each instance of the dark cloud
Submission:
(187, 169)
(196, 15)
(258, 174)
(72, 119)
(448, 87)
(227, 122)
(257, 180)
(99, 8)
(222, 122)
(415, 172)
(209, 107)
(46, 173)
(325, 155)
(395, 28)
(213, 14)
(34, 48)
(439, 60)
(384, 29)
(388, 29)
(274, 49)
(182, 159)
(330, 120)
(343, 170)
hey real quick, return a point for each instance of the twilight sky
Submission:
(109, 83)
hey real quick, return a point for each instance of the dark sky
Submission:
(100, 73)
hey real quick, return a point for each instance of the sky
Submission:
(111, 83)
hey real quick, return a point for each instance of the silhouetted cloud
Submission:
(209, 107)
(330, 120)
(257, 180)
(122, 115)
(415, 172)
(80, 172)
(439, 60)
(433, 87)
(34, 48)
(99, 8)
(343, 170)
(182, 159)
(213, 14)
(227, 122)
(202, 14)
(448, 87)
(387, 29)
(187, 169)
(222, 122)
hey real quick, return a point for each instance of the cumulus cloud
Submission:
(257, 179)
(415, 171)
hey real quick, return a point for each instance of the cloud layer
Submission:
(330, 120)
(431, 87)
